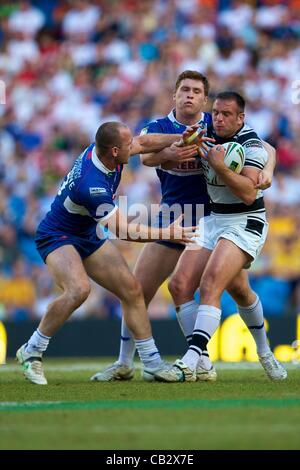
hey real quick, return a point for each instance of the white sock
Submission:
(37, 342)
(148, 353)
(204, 361)
(186, 316)
(253, 316)
(207, 322)
(127, 346)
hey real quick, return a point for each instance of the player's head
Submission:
(228, 113)
(114, 140)
(191, 93)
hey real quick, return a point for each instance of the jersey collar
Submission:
(99, 164)
(172, 118)
(223, 140)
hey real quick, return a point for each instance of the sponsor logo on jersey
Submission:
(253, 143)
(188, 166)
(97, 191)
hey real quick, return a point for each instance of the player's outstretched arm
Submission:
(119, 224)
(265, 176)
(152, 142)
(170, 156)
(154, 159)
(192, 141)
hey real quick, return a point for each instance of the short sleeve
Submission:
(153, 127)
(255, 153)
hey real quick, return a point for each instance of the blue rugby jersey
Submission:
(184, 184)
(84, 198)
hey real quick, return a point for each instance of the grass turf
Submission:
(242, 410)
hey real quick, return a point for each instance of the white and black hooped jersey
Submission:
(223, 201)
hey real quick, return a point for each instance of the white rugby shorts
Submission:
(247, 231)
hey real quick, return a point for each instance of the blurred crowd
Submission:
(68, 66)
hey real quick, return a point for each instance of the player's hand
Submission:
(179, 154)
(264, 179)
(215, 158)
(180, 234)
(201, 139)
(190, 130)
(203, 148)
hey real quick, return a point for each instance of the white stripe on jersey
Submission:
(74, 208)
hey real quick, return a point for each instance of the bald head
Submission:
(109, 135)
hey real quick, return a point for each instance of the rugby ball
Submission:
(234, 156)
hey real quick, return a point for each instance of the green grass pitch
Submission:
(242, 410)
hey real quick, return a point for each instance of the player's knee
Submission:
(79, 293)
(132, 290)
(179, 286)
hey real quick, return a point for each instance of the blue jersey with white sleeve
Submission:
(84, 198)
(184, 184)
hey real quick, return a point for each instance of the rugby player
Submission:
(229, 239)
(74, 247)
(183, 187)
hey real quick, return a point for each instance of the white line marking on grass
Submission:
(5, 404)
